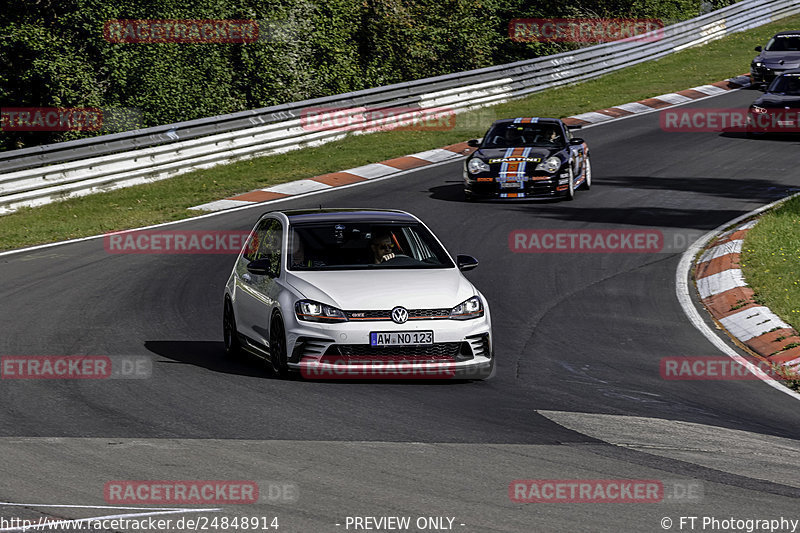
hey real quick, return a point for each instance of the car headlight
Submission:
(758, 64)
(312, 311)
(476, 165)
(472, 308)
(551, 164)
(757, 109)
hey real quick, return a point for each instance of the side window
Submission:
(265, 242)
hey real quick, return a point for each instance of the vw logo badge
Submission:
(399, 315)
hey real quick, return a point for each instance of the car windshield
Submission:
(788, 43)
(361, 246)
(788, 84)
(547, 135)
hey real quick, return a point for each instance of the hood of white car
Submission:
(384, 289)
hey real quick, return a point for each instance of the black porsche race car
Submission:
(781, 53)
(527, 158)
(778, 109)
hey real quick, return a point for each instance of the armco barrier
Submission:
(42, 174)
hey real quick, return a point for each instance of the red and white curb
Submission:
(725, 294)
(399, 165)
(345, 177)
(659, 102)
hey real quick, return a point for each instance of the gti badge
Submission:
(399, 315)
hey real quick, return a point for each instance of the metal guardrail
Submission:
(42, 174)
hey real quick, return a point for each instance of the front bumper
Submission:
(774, 121)
(766, 74)
(546, 186)
(461, 349)
(314, 369)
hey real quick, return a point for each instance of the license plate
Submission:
(400, 338)
(509, 185)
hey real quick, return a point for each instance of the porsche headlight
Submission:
(472, 308)
(758, 64)
(476, 165)
(551, 164)
(312, 311)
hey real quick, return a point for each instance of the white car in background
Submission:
(345, 291)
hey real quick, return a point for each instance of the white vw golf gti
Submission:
(348, 292)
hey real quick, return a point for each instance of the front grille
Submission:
(413, 314)
(428, 313)
(441, 349)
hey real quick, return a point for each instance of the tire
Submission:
(278, 362)
(233, 348)
(571, 189)
(588, 171)
(468, 197)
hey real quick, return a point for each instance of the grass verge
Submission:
(771, 261)
(168, 200)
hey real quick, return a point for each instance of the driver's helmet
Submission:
(514, 135)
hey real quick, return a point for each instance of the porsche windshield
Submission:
(511, 135)
(789, 43)
(358, 245)
(786, 84)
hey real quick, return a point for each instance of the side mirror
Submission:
(263, 267)
(576, 141)
(466, 262)
(758, 48)
(474, 143)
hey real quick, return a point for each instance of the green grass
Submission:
(168, 200)
(771, 261)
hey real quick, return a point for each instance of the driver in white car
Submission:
(381, 245)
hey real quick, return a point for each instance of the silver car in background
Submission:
(356, 293)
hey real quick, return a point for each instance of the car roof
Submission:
(788, 32)
(528, 120)
(301, 216)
